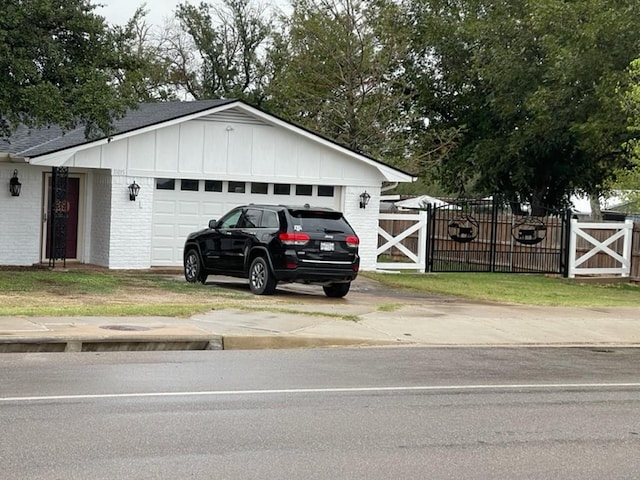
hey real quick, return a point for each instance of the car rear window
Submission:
(319, 221)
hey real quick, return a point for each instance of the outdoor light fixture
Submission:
(14, 185)
(134, 189)
(364, 199)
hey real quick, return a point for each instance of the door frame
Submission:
(82, 177)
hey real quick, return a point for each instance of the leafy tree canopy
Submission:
(221, 55)
(336, 69)
(145, 73)
(627, 180)
(57, 59)
(532, 86)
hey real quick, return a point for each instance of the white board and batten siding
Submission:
(226, 146)
(220, 150)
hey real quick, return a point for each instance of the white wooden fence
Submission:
(415, 260)
(618, 231)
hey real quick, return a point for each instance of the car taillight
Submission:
(352, 241)
(294, 238)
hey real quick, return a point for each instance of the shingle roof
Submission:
(34, 142)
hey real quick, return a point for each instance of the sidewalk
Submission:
(383, 318)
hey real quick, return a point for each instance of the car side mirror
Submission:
(212, 224)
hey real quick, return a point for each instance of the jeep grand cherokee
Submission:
(274, 243)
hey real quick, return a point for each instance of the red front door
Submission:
(73, 197)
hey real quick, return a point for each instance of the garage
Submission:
(182, 206)
(188, 163)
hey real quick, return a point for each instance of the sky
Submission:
(117, 12)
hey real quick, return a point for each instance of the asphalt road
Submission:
(454, 413)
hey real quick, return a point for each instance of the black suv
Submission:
(274, 243)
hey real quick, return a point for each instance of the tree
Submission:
(532, 86)
(57, 59)
(336, 69)
(145, 74)
(217, 52)
(627, 180)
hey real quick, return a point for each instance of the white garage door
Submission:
(184, 206)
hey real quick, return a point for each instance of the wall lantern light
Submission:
(134, 190)
(14, 185)
(364, 199)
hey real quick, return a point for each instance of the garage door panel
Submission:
(189, 220)
(184, 230)
(163, 256)
(213, 209)
(164, 206)
(189, 208)
(163, 230)
(177, 213)
(165, 243)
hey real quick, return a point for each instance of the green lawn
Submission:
(516, 288)
(26, 292)
(71, 293)
(59, 293)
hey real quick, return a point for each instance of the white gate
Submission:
(416, 260)
(620, 231)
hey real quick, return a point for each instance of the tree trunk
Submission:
(594, 202)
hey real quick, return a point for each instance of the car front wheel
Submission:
(193, 271)
(261, 280)
(337, 290)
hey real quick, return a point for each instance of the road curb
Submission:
(274, 342)
(109, 344)
(247, 342)
(158, 343)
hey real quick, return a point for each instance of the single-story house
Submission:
(192, 161)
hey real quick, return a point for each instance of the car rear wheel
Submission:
(261, 280)
(193, 271)
(337, 290)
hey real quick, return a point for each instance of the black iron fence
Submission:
(487, 235)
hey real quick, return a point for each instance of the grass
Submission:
(76, 293)
(70, 293)
(59, 282)
(126, 310)
(389, 307)
(25, 292)
(516, 289)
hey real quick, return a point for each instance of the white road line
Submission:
(296, 391)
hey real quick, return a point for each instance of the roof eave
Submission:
(46, 158)
(12, 158)
(390, 174)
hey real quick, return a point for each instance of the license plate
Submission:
(327, 246)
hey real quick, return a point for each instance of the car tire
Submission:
(261, 280)
(337, 290)
(193, 271)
